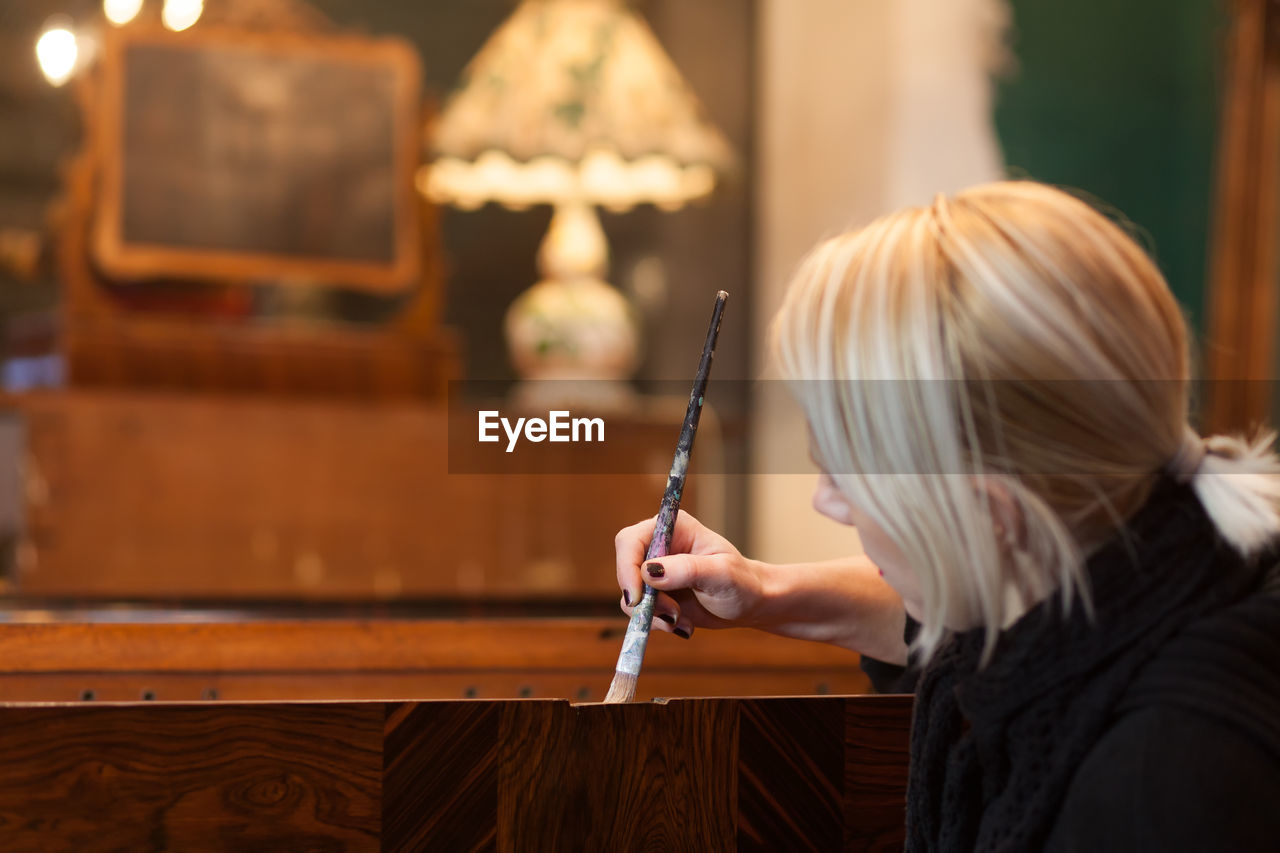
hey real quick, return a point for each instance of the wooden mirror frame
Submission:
(122, 259)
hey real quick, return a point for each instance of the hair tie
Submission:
(1186, 462)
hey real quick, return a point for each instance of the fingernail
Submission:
(626, 597)
(682, 633)
(668, 618)
(881, 572)
(655, 570)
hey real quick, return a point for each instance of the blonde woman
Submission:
(1081, 591)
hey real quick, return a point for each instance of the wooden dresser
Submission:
(826, 773)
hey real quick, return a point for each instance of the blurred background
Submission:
(254, 252)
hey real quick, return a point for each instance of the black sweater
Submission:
(1154, 727)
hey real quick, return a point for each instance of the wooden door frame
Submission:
(1239, 350)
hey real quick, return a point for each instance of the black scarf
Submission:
(994, 750)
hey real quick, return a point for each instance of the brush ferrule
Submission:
(637, 636)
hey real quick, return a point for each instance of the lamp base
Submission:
(577, 329)
(572, 324)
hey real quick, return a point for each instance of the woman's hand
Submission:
(704, 582)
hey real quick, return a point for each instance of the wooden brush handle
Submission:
(637, 636)
(660, 545)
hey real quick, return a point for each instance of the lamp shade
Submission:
(573, 100)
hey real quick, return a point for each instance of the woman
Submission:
(1080, 590)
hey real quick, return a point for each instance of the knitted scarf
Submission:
(994, 749)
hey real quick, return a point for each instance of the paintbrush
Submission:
(623, 687)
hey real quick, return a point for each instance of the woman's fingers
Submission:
(701, 562)
(680, 571)
(666, 612)
(669, 615)
(632, 543)
(629, 548)
(690, 536)
(707, 588)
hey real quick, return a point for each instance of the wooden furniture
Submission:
(128, 654)
(697, 775)
(185, 496)
(1243, 298)
(166, 261)
(289, 549)
(180, 353)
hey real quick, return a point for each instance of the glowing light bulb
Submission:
(57, 52)
(177, 15)
(121, 12)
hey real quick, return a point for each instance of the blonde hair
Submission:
(1017, 348)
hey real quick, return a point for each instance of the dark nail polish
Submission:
(668, 618)
(655, 570)
(682, 633)
(626, 597)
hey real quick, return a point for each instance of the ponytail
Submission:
(1238, 484)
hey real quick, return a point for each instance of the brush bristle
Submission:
(621, 689)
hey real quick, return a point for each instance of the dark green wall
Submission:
(1119, 98)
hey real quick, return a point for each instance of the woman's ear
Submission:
(1006, 515)
(828, 500)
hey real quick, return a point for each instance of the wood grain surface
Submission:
(819, 773)
(696, 775)
(336, 644)
(790, 775)
(441, 776)
(570, 658)
(167, 778)
(875, 769)
(652, 777)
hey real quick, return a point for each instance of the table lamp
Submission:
(573, 103)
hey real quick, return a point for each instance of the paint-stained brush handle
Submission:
(633, 644)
